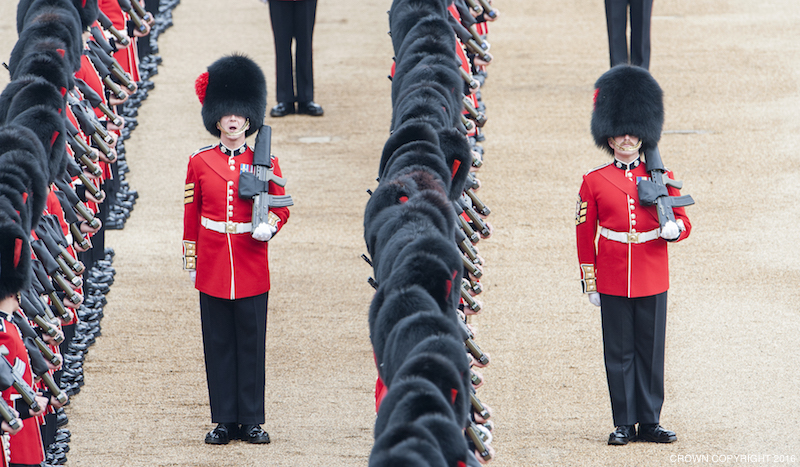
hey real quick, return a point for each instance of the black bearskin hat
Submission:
(51, 23)
(628, 101)
(15, 253)
(88, 11)
(233, 85)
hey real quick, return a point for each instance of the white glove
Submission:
(193, 276)
(594, 298)
(670, 231)
(264, 232)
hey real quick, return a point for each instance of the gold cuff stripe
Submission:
(190, 186)
(588, 279)
(189, 255)
(188, 200)
(188, 193)
(273, 219)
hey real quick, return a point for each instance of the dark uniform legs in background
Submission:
(633, 342)
(234, 341)
(617, 22)
(293, 20)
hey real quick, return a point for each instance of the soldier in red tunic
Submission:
(25, 445)
(228, 264)
(622, 251)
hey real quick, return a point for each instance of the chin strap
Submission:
(236, 133)
(623, 148)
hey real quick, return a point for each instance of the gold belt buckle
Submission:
(229, 227)
(633, 237)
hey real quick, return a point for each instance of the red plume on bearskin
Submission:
(200, 86)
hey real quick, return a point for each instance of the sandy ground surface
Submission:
(730, 71)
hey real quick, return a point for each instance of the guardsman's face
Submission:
(626, 142)
(231, 123)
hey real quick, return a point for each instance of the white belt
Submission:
(226, 227)
(630, 237)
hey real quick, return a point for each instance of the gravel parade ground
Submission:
(730, 70)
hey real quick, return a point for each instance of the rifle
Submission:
(145, 15)
(466, 205)
(478, 406)
(472, 182)
(97, 102)
(468, 124)
(109, 26)
(38, 344)
(487, 9)
(72, 218)
(476, 7)
(5, 411)
(18, 383)
(56, 244)
(477, 203)
(75, 171)
(471, 82)
(54, 271)
(38, 314)
(105, 75)
(80, 149)
(471, 267)
(475, 378)
(91, 127)
(466, 247)
(39, 366)
(76, 203)
(479, 117)
(135, 19)
(472, 347)
(6, 381)
(654, 191)
(480, 446)
(477, 37)
(104, 52)
(469, 300)
(256, 185)
(467, 39)
(474, 285)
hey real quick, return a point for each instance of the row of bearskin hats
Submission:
(51, 132)
(32, 132)
(410, 230)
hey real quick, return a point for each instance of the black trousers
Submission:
(634, 331)
(293, 20)
(234, 343)
(617, 23)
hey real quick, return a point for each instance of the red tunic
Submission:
(89, 74)
(609, 198)
(126, 56)
(26, 446)
(229, 265)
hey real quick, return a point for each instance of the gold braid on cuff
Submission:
(189, 255)
(273, 219)
(588, 278)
